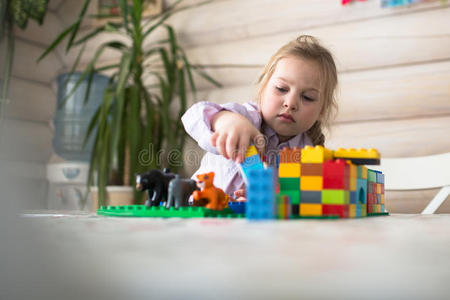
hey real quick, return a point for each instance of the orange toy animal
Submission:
(217, 199)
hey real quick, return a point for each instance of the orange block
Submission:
(307, 209)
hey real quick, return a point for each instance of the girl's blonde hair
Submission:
(308, 47)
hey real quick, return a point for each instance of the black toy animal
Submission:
(156, 183)
(179, 191)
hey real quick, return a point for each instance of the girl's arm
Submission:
(233, 134)
(198, 123)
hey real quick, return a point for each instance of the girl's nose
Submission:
(290, 102)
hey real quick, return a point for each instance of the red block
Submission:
(341, 210)
(336, 174)
(382, 188)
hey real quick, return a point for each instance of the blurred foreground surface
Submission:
(62, 255)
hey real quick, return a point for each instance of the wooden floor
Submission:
(93, 257)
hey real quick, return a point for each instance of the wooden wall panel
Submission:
(26, 141)
(41, 34)
(223, 21)
(384, 94)
(26, 67)
(372, 43)
(396, 138)
(30, 101)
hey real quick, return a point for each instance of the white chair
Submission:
(417, 173)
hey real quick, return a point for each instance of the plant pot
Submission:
(115, 195)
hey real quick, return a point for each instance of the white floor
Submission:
(84, 256)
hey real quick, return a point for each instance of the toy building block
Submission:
(317, 154)
(361, 190)
(353, 176)
(311, 183)
(283, 207)
(261, 204)
(311, 196)
(294, 196)
(380, 177)
(252, 161)
(216, 198)
(378, 185)
(311, 169)
(336, 174)
(371, 175)
(289, 184)
(163, 212)
(362, 172)
(352, 211)
(335, 197)
(289, 170)
(309, 209)
(238, 207)
(341, 210)
(353, 197)
(288, 155)
(358, 157)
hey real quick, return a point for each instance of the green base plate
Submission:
(378, 214)
(162, 212)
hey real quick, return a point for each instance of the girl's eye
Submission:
(281, 89)
(309, 99)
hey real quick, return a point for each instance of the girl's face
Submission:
(291, 101)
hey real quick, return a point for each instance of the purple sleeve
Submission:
(197, 120)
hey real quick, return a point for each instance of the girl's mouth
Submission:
(286, 118)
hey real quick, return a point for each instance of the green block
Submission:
(293, 195)
(335, 197)
(289, 184)
(162, 212)
(371, 175)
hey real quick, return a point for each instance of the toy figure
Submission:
(156, 184)
(217, 199)
(179, 191)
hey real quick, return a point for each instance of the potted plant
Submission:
(15, 13)
(134, 118)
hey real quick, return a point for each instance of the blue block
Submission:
(237, 207)
(261, 204)
(251, 163)
(352, 197)
(383, 209)
(380, 178)
(361, 191)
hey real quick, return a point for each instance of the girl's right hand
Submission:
(233, 134)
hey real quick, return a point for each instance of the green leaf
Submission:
(124, 11)
(56, 42)
(207, 77)
(77, 24)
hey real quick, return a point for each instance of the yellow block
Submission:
(378, 188)
(353, 170)
(311, 183)
(251, 151)
(289, 170)
(317, 154)
(353, 182)
(382, 199)
(360, 153)
(352, 211)
(307, 209)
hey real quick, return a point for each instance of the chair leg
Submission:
(437, 201)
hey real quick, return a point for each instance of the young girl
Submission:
(295, 101)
